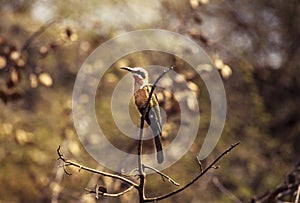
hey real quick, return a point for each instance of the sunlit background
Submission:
(253, 44)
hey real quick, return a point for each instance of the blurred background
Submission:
(255, 46)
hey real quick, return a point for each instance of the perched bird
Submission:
(142, 90)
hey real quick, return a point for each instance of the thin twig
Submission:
(37, 33)
(155, 83)
(140, 146)
(142, 175)
(162, 175)
(109, 194)
(81, 167)
(64, 166)
(223, 189)
(200, 164)
(195, 179)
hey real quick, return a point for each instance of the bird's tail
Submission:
(159, 151)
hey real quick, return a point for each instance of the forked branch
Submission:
(140, 187)
(212, 165)
(67, 162)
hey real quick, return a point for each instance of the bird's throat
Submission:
(139, 83)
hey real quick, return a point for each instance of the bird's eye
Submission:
(142, 74)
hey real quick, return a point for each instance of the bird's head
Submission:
(138, 73)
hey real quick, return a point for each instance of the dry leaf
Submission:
(7, 128)
(14, 76)
(194, 3)
(45, 79)
(193, 87)
(33, 80)
(85, 46)
(2, 62)
(74, 148)
(226, 72)
(219, 63)
(14, 55)
(43, 50)
(204, 1)
(22, 137)
(192, 103)
(20, 63)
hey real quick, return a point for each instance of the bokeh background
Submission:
(255, 46)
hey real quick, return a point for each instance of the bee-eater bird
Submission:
(142, 90)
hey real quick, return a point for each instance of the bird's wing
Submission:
(154, 110)
(153, 114)
(153, 117)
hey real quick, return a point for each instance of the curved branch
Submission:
(164, 176)
(110, 194)
(212, 165)
(81, 167)
(154, 85)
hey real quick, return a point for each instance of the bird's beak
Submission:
(127, 68)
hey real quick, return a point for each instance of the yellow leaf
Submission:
(2, 62)
(22, 137)
(219, 63)
(14, 55)
(45, 79)
(14, 76)
(33, 81)
(194, 3)
(226, 72)
(204, 1)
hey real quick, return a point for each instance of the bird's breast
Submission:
(141, 97)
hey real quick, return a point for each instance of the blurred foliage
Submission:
(254, 45)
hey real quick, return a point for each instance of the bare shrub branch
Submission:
(212, 165)
(164, 176)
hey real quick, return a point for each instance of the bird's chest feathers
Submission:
(141, 97)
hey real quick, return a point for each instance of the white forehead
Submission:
(137, 69)
(140, 72)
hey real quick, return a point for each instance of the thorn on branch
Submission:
(100, 191)
(215, 167)
(65, 169)
(163, 176)
(85, 168)
(60, 156)
(200, 164)
(65, 163)
(103, 191)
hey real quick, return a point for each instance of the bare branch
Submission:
(212, 165)
(162, 175)
(81, 167)
(200, 164)
(108, 194)
(64, 166)
(142, 175)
